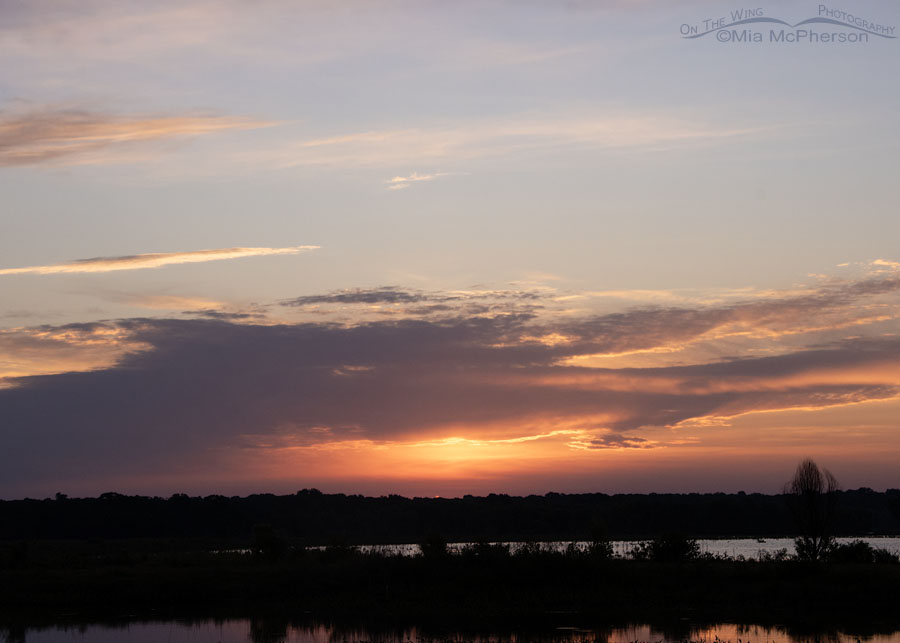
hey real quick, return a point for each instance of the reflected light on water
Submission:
(274, 630)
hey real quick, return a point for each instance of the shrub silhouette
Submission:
(267, 543)
(860, 552)
(854, 552)
(599, 546)
(433, 546)
(884, 557)
(487, 551)
(667, 548)
(529, 549)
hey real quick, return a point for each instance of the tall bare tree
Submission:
(812, 495)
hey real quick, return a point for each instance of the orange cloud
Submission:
(26, 352)
(151, 260)
(74, 137)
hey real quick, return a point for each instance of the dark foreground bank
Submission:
(484, 586)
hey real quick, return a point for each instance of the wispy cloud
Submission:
(151, 260)
(357, 304)
(380, 295)
(77, 137)
(480, 53)
(163, 301)
(496, 137)
(402, 182)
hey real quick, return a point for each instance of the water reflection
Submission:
(748, 548)
(284, 630)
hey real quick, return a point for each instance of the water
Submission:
(749, 548)
(256, 631)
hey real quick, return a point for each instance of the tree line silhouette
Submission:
(310, 517)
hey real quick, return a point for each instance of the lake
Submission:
(243, 631)
(749, 548)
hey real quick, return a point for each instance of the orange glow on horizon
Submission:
(456, 460)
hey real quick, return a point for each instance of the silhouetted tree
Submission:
(812, 495)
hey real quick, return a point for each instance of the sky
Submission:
(445, 248)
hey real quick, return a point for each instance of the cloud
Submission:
(482, 53)
(103, 32)
(59, 349)
(612, 440)
(75, 136)
(402, 182)
(212, 386)
(393, 301)
(162, 301)
(361, 304)
(177, 394)
(382, 295)
(227, 315)
(495, 137)
(151, 260)
(770, 321)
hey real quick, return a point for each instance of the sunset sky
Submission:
(439, 248)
